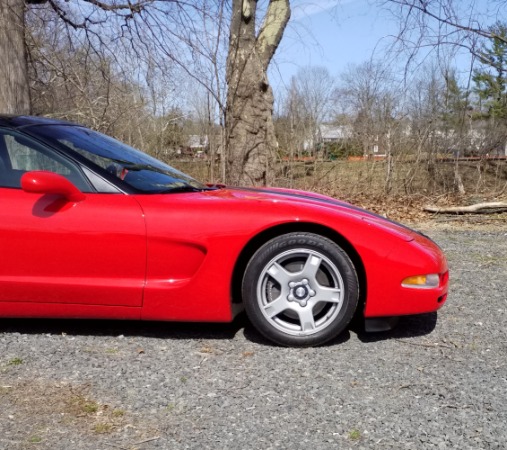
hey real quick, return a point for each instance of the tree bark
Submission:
(14, 84)
(250, 134)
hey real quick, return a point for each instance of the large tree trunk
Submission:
(14, 85)
(250, 135)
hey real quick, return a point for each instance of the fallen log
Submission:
(478, 208)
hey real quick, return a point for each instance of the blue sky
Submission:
(338, 33)
(331, 34)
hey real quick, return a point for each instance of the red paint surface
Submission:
(172, 256)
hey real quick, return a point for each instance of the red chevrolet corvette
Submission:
(91, 228)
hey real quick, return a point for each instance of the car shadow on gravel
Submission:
(126, 328)
(410, 326)
(252, 335)
(407, 327)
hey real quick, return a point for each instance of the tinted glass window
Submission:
(133, 167)
(19, 154)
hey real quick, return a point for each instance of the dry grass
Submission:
(352, 178)
(48, 407)
(413, 185)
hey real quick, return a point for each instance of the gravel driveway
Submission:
(436, 381)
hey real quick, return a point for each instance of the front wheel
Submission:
(300, 289)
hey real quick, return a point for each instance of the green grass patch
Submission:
(15, 362)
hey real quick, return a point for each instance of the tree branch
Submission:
(421, 7)
(271, 32)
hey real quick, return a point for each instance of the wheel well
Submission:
(259, 240)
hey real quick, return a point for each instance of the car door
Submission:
(53, 250)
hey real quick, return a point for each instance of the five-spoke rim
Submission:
(300, 292)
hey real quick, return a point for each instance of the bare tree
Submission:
(14, 87)
(372, 98)
(312, 88)
(293, 130)
(71, 80)
(185, 34)
(366, 94)
(250, 134)
(447, 26)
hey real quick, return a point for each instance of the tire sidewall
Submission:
(308, 241)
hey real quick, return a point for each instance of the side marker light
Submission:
(422, 281)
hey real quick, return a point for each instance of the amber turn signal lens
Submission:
(422, 281)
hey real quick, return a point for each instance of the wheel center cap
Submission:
(300, 292)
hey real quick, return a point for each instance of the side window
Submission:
(19, 154)
(26, 158)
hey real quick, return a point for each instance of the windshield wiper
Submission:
(186, 188)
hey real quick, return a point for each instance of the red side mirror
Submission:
(43, 182)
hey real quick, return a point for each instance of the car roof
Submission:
(23, 121)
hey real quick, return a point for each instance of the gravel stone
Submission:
(437, 381)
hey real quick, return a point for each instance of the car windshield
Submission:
(135, 168)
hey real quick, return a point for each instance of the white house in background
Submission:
(328, 134)
(197, 142)
(334, 133)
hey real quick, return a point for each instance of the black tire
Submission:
(300, 290)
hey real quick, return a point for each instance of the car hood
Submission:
(308, 199)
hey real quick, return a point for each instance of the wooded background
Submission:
(189, 83)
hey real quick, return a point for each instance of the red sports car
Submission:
(91, 228)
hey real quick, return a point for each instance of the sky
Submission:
(340, 33)
(333, 34)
